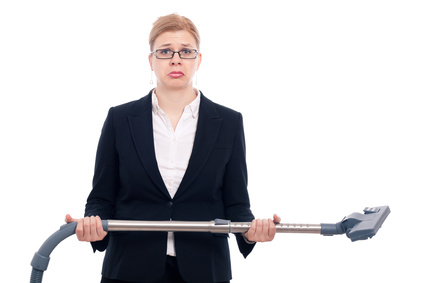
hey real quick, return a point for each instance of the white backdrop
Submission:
(332, 98)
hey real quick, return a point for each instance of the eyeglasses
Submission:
(169, 54)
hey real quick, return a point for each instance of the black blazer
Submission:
(127, 185)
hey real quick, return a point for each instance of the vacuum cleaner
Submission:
(356, 226)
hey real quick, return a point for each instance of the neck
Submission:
(174, 100)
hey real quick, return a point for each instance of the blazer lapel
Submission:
(207, 131)
(142, 133)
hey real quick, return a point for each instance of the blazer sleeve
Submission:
(101, 200)
(236, 196)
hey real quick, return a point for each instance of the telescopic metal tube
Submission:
(205, 226)
(241, 227)
(167, 226)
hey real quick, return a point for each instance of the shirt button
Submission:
(170, 204)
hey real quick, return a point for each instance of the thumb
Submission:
(69, 219)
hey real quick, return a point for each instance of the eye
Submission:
(164, 51)
(187, 51)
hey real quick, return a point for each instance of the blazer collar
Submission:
(141, 126)
(207, 131)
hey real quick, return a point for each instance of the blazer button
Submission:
(170, 204)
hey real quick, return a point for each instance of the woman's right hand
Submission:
(89, 229)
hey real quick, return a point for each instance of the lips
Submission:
(176, 74)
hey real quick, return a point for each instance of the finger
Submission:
(277, 219)
(251, 232)
(272, 230)
(259, 231)
(100, 230)
(265, 230)
(86, 229)
(69, 219)
(79, 231)
(99, 226)
(93, 229)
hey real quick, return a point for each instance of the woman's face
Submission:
(175, 73)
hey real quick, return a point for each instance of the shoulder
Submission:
(220, 110)
(132, 108)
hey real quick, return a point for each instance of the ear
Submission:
(151, 61)
(199, 59)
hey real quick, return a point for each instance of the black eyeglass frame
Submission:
(173, 53)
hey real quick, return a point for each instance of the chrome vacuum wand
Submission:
(216, 226)
(356, 226)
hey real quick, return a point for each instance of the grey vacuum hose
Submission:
(41, 259)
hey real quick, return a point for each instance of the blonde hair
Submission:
(172, 22)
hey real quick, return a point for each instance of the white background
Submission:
(332, 98)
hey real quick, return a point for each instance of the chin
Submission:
(177, 84)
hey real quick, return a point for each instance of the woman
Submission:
(173, 154)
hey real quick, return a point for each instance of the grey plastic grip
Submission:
(332, 229)
(105, 224)
(41, 259)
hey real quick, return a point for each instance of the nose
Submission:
(176, 60)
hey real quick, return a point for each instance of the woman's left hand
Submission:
(262, 230)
